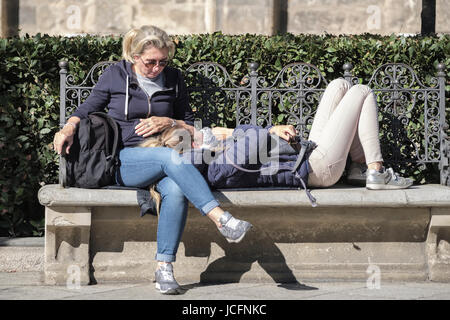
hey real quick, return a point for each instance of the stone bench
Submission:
(98, 235)
(405, 233)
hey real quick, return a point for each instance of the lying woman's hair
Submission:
(176, 137)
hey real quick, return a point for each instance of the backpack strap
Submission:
(311, 198)
(306, 146)
(111, 153)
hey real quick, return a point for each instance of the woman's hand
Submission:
(153, 125)
(285, 132)
(65, 135)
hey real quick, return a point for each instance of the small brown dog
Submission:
(175, 137)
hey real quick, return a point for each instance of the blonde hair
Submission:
(136, 41)
(174, 137)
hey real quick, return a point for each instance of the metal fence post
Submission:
(254, 97)
(62, 114)
(62, 92)
(444, 165)
(348, 72)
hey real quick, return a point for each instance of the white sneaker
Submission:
(233, 229)
(165, 281)
(386, 179)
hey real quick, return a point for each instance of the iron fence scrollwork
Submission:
(413, 128)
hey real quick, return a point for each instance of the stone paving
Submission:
(29, 286)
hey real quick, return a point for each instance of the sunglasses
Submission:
(151, 63)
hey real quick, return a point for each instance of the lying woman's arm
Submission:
(222, 133)
(283, 131)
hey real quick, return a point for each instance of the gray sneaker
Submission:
(165, 281)
(356, 175)
(386, 180)
(233, 229)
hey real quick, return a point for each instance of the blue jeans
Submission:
(176, 182)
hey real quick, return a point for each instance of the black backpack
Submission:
(93, 157)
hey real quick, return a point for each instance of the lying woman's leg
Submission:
(331, 97)
(333, 94)
(356, 113)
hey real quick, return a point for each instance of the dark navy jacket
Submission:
(243, 163)
(118, 85)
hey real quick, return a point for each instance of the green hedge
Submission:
(29, 85)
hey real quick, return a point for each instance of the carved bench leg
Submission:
(438, 248)
(67, 235)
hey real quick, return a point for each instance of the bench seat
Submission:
(98, 235)
(405, 233)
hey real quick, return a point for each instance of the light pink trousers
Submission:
(346, 121)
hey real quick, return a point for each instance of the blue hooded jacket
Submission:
(118, 91)
(249, 160)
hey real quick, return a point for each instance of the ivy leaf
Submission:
(29, 80)
(44, 131)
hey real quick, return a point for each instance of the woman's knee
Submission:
(361, 88)
(172, 161)
(340, 84)
(169, 189)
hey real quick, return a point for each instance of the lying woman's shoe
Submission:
(233, 229)
(386, 180)
(356, 175)
(165, 281)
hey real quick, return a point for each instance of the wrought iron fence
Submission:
(413, 128)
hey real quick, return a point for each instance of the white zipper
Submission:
(148, 100)
(126, 100)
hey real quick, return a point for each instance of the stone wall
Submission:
(117, 16)
(360, 16)
(68, 17)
